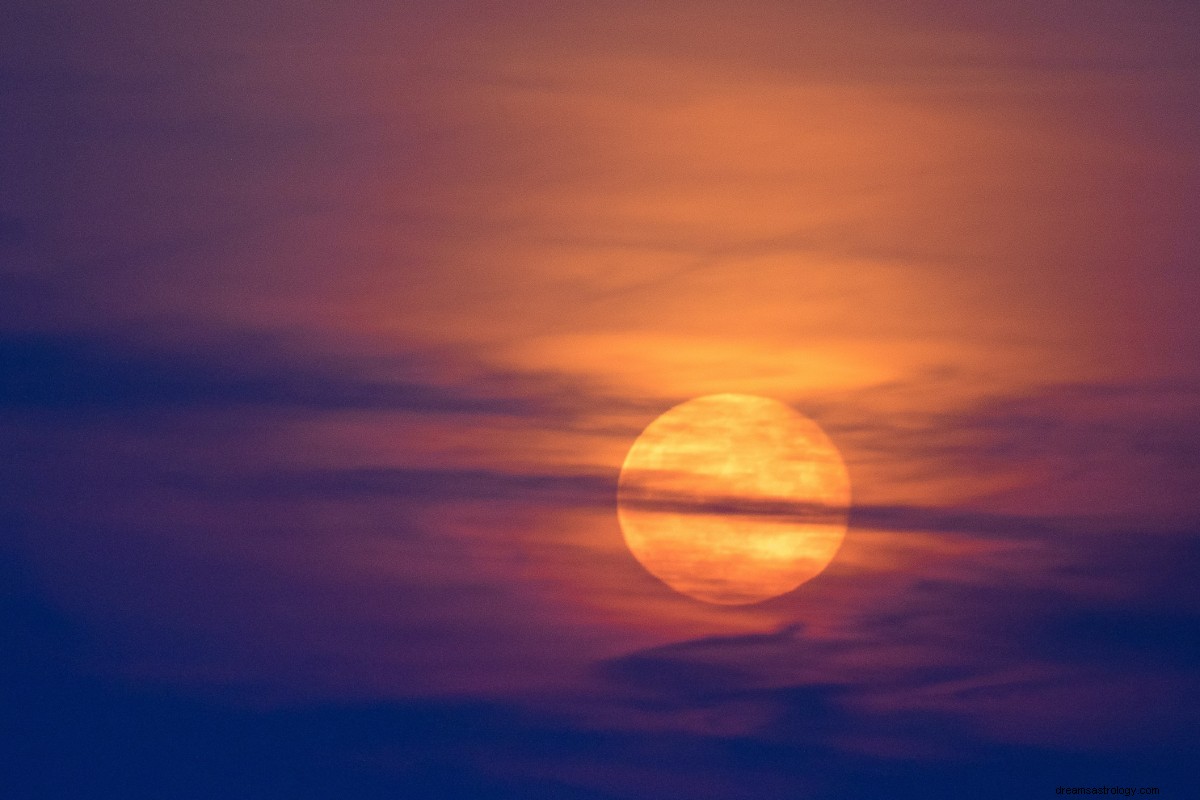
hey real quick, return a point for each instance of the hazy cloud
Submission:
(78, 372)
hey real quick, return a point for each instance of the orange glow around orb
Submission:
(733, 499)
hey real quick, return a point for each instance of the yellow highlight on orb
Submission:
(733, 499)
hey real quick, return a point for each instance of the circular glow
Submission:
(733, 499)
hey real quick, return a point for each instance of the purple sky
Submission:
(324, 330)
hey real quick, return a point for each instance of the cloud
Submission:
(579, 487)
(954, 667)
(1124, 450)
(429, 485)
(1127, 416)
(740, 728)
(78, 372)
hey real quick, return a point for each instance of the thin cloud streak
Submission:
(78, 372)
(598, 490)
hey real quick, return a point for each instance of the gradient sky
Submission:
(325, 328)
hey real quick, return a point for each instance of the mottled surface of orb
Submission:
(733, 499)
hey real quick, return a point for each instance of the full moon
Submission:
(733, 499)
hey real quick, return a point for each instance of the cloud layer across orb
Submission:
(733, 498)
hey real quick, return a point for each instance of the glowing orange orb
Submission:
(733, 499)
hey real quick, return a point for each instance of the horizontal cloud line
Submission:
(585, 488)
(71, 373)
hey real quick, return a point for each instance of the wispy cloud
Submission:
(80, 371)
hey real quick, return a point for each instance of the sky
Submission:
(325, 330)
